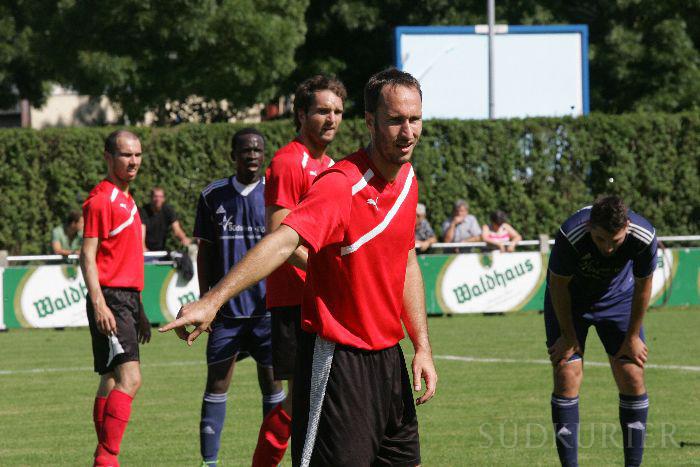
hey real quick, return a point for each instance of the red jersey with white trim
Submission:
(359, 229)
(112, 216)
(289, 175)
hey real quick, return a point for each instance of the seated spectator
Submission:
(462, 227)
(500, 232)
(157, 218)
(425, 236)
(67, 239)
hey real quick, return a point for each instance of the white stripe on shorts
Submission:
(320, 370)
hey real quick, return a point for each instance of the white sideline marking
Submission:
(547, 362)
(457, 358)
(89, 368)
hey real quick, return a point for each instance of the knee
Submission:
(630, 379)
(567, 379)
(217, 386)
(130, 383)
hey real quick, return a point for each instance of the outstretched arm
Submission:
(265, 257)
(274, 215)
(416, 322)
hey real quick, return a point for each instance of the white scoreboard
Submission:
(540, 71)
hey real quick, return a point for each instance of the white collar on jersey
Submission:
(244, 190)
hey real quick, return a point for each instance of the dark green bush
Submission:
(537, 170)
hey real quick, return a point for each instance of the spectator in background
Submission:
(67, 239)
(500, 232)
(425, 236)
(462, 227)
(158, 217)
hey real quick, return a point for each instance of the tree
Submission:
(643, 53)
(23, 73)
(144, 53)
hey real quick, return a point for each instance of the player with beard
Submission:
(230, 221)
(318, 112)
(352, 395)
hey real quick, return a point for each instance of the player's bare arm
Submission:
(416, 322)
(272, 251)
(104, 318)
(567, 344)
(274, 215)
(632, 347)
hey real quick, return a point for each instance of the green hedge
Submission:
(537, 170)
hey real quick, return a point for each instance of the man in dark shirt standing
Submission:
(158, 217)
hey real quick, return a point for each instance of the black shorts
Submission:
(124, 347)
(352, 407)
(286, 329)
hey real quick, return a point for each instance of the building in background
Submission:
(66, 108)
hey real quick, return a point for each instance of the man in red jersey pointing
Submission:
(353, 397)
(318, 112)
(112, 263)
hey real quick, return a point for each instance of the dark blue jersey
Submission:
(599, 282)
(231, 216)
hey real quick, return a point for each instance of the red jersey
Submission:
(113, 217)
(289, 175)
(359, 229)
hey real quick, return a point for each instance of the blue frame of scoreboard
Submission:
(568, 29)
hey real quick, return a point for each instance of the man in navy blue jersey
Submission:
(600, 274)
(230, 221)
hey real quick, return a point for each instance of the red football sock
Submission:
(116, 417)
(273, 438)
(98, 414)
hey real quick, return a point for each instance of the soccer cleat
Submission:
(209, 463)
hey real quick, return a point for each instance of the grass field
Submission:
(491, 408)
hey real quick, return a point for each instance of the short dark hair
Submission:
(498, 217)
(389, 77)
(244, 132)
(609, 213)
(111, 141)
(304, 95)
(73, 216)
(157, 188)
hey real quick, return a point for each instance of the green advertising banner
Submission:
(55, 295)
(497, 282)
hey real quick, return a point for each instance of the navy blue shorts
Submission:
(231, 336)
(611, 324)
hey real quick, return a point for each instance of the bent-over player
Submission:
(600, 274)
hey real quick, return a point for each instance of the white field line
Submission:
(547, 362)
(457, 358)
(89, 368)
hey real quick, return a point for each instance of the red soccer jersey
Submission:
(359, 229)
(113, 217)
(289, 176)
